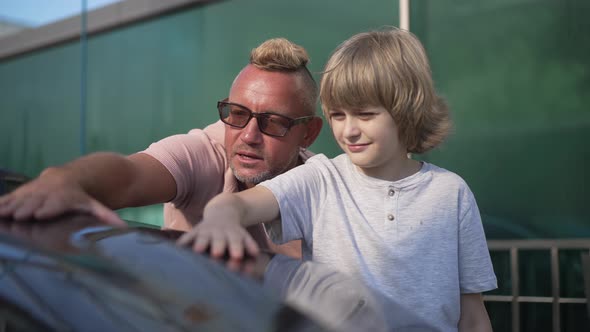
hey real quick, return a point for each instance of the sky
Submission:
(34, 13)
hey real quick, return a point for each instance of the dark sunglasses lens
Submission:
(275, 125)
(234, 115)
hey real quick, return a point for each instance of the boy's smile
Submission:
(354, 148)
(369, 137)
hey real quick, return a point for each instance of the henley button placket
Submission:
(390, 206)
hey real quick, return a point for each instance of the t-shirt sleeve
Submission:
(476, 273)
(298, 193)
(196, 162)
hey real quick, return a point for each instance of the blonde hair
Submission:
(279, 54)
(388, 68)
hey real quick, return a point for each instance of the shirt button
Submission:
(391, 192)
(390, 216)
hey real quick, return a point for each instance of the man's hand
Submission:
(220, 237)
(50, 195)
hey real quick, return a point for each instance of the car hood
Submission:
(75, 274)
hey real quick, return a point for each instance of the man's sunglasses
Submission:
(271, 124)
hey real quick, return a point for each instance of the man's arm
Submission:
(474, 316)
(225, 218)
(95, 184)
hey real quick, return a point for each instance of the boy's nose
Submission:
(251, 134)
(351, 128)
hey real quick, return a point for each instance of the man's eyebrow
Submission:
(272, 112)
(249, 109)
(236, 104)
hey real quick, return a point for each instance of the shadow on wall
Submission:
(502, 228)
(536, 227)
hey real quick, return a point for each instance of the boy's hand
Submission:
(220, 236)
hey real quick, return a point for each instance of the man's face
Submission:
(252, 155)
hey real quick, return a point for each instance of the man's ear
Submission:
(313, 129)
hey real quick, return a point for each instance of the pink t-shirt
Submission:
(198, 163)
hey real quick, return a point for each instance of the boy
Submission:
(408, 229)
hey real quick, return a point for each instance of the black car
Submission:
(10, 180)
(74, 273)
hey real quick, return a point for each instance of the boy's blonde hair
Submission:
(279, 54)
(388, 68)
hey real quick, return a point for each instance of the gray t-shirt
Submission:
(419, 241)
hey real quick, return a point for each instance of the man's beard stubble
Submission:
(255, 179)
(264, 175)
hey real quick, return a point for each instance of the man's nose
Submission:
(251, 134)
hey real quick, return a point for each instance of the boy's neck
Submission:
(398, 169)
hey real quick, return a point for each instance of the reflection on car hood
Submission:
(74, 274)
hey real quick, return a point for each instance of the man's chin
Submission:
(250, 176)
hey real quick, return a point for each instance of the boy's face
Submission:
(369, 136)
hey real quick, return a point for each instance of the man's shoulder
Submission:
(192, 146)
(215, 131)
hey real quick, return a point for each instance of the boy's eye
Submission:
(336, 116)
(366, 115)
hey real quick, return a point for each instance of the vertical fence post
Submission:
(514, 276)
(83, 76)
(555, 289)
(404, 14)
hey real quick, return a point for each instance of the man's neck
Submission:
(244, 186)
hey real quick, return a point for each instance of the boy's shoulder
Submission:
(321, 158)
(327, 165)
(444, 177)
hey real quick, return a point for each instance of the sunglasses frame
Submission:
(292, 122)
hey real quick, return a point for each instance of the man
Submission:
(269, 119)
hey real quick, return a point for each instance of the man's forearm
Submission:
(94, 184)
(105, 176)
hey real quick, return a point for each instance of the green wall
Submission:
(516, 75)
(158, 77)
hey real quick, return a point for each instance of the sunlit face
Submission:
(369, 136)
(252, 155)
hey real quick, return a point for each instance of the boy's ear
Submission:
(313, 130)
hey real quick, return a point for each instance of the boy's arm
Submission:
(225, 218)
(474, 316)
